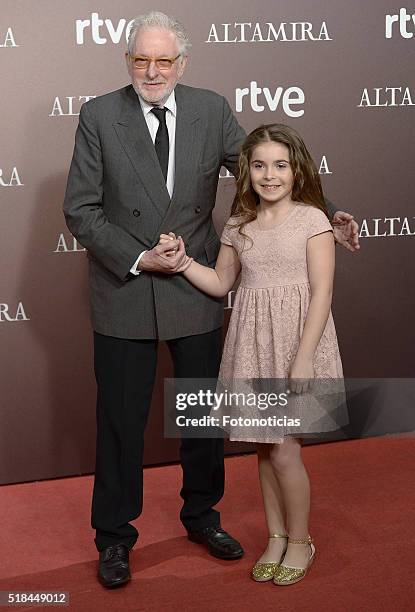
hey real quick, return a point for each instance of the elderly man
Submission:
(146, 161)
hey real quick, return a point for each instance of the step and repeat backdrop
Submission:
(340, 73)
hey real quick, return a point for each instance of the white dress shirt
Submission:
(153, 124)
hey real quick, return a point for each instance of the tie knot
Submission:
(160, 113)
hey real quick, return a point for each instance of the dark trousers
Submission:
(125, 373)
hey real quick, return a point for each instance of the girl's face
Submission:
(271, 174)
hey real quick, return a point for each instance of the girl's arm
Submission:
(219, 280)
(320, 263)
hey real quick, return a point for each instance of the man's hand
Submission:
(168, 258)
(346, 231)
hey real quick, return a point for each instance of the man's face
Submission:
(152, 83)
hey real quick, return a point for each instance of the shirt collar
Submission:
(170, 104)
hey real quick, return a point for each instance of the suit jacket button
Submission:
(136, 212)
(197, 209)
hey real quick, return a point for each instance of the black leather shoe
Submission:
(219, 543)
(113, 568)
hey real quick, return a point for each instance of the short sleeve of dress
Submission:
(228, 234)
(317, 223)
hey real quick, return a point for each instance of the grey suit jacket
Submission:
(117, 204)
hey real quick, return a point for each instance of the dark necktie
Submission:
(162, 140)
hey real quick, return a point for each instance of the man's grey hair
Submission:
(156, 19)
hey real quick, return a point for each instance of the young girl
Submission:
(281, 326)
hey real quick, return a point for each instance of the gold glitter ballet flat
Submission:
(262, 572)
(290, 575)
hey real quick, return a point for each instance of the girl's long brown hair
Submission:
(306, 187)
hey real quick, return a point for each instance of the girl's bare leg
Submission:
(294, 484)
(273, 505)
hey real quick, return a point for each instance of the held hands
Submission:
(301, 375)
(166, 239)
(346, 231)
(168, 256)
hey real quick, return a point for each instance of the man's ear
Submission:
(183, 65)
(127, 61)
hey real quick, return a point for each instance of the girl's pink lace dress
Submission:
(268, 316)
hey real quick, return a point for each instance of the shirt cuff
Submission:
(134, 270)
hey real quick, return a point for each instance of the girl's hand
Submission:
(166, 238)
(181, 250)
(301, 375)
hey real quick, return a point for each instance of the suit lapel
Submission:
(132, 131)
(187, 120)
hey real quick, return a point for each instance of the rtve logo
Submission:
(11, 180)
(16, 314)
(287, 99)
(403, 18)
(100, 28)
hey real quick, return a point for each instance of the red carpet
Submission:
(362, 523)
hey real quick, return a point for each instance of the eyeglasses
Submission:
(163, 63)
